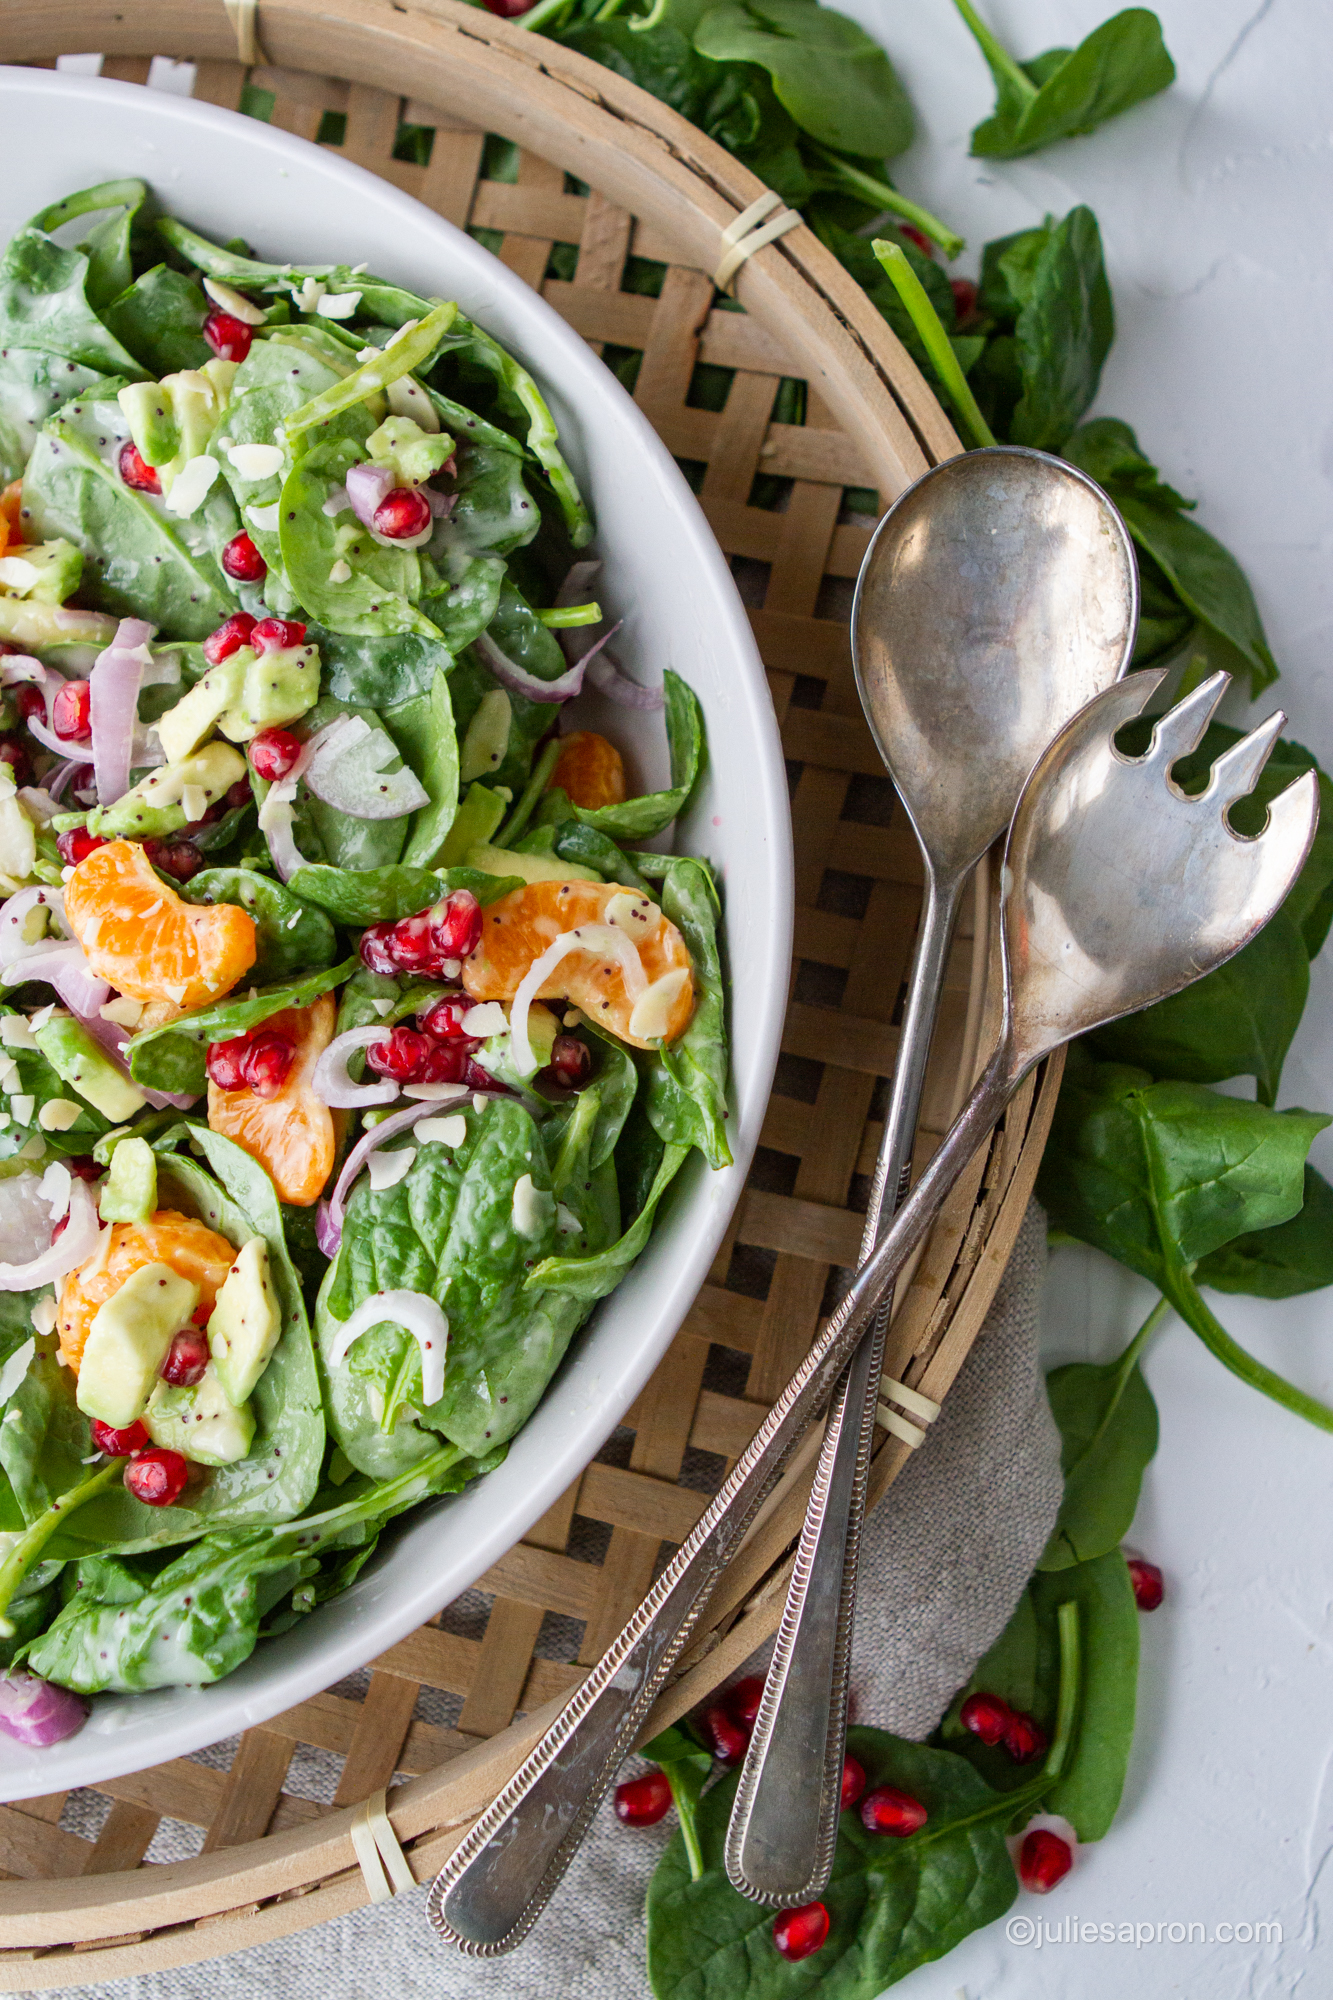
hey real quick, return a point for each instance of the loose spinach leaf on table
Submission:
(1108, 1433)
(827, 72)
(1066, 92)
(172, 1057)
(641, 818)
(685, 1091)
(1047, 290)
(289, 935)
(1283, 1260)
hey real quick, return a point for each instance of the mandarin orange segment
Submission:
(192, 1251)
(291, 1135)
(138, 934)
(590, 770)
(517, 929)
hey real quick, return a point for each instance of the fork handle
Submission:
(784, 1820)
(500, 1877)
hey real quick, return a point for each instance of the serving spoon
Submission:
(999, 594)
(1118, 890)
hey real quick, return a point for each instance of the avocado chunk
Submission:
(531, 867)
(56, 569)
(129, 1192)
(201, 1422)
(483, 748)
(241, 695)
(156, 804)
(76, 1058)
(246, 1323)
(128, 1341)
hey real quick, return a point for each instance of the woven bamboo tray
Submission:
(609, 173)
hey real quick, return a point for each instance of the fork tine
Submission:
(1181, 729)
(1236, 771)
(1292, 818)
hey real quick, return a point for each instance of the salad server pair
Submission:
(1118, 890)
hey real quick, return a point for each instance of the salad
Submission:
(353, 1022)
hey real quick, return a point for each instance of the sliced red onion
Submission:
(607, 678)
(367, 486)
(419, 1315)
(519, 681)
(330, 1214)
(38, 1712)
(74, 1245)
(348, 773)
(65, 968)
(15, 910)
(57, 745)
(115, 1040)
(606, 941)
(115, 681)
(276, 814)
(331, 1083)
(15, 667)
(441, 504)
(57, 780)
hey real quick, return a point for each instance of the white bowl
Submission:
(232, 176)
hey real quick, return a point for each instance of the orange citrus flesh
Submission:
(191, 1250)
(590, 770)
(517, 929)
(11, 503)
(138, 934)
(291, 1135)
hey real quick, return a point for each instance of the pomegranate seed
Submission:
(240, 795)
(1043, 1860)
(157, 1477)
(400, 1055)
(242, 560)
(187, 1358)
(800, 1933)
(726, 1737)
(224, 1063)
(267, 1062)
(228, 336)
(61, 1225)
(202, 1314)
(377, 949)
(447, 1062)
(742, 1700)
(643, 1801)
(175, 858)
(14, 754)
(571, 1066)
(135, 470)
(444, 1020)
(229, 638)
(456, 925)
(76, 844)
(401, 514)
(853, 1782)
(964, 298)
(71, 711)
(1024, 1739)
(918, 237)
(887, 1810)
(30, 702)
(273, 752)
(119, 1444)
(1149, 1587)
(413, 946)
(85, 1167)
(273, 635)
(477, 1078)
(509, 10)
(986, 1716)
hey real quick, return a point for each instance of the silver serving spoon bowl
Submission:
(999, 594)
(1118, 890)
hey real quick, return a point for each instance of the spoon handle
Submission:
(784, 1822)
(505, 1870)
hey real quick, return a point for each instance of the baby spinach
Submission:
(289, 935)
(44, 300)
(639, 819)
(1283, 1260)
(836, 82)
(686, 1080)
(380, 672)
(1066, 92)
(160, 319)
(1108, 1433)
(590, 1278)
(493, 514)
(38, 1080)
(464, 610)
(687, 1768)
(591, 849)
(1047, 290)
(425, 734)
(376, 895)
(379, 596)
(33, 386)
(324, 832)
(172, 1057)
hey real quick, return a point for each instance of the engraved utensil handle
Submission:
(498, 1880)
(784, 1820)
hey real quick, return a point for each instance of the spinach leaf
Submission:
(591, 849)
(38, 1080)
(834, 80)
(517, 392)
(639, 819)
(471, 600)
(1108, 1433)
(160, 319)
(686, 1080)
(289, 935)
(493, 514)
(720, 98)
(1283, 1260)
(379, 672)
(617, 1082)
(33, 386)
(172, 1057)
(1047, 289)
(1205, 578)
(383, 895)
(687, 1768)
(44, 1438)
(590, 1278)
(379, 597)
(894, 1904)
(1236, 1021)
(424, 732)
(1066, 92)
(44, 304)
(586, 1195)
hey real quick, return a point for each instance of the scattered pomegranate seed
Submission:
(157, 1477)
(743, 1699)
(725, 1736)
(509, 10)
(71, 711)
(853, 1783)
(448, 1062)
(477, 1078)
(1024, 1739)
(643, 1801)
(800, 1933)
(402, 513)
(426, 942)
(964, 298)
(187, 1358)
(240, 795)
(228, 336)
(229, 638)
(174, 857)
(273, 635)
(223, 1063)
(242, 560)
(400, 1055)
(918, 237)
(570, 1067)
(986, 1716)
(260, 1061)
(59, 1228)
(1043, 1860)
(15, 755)
(30, 702)
(413, 945)
(119, 1444)
(444, 1019)
(377, 949)
(887, 1810)
(85, 1167)
(456, 925)
(135, 470)
(202, 1314)
(1148, 1582)
(273, 752)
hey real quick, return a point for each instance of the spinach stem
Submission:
(34, 1538)
(532, 791)
(1185, 1297)
(689, 1827)
(1071, 1675)
(650, 20)
(996, 54)
(544, 11)
(888, 197)
(928, 324)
